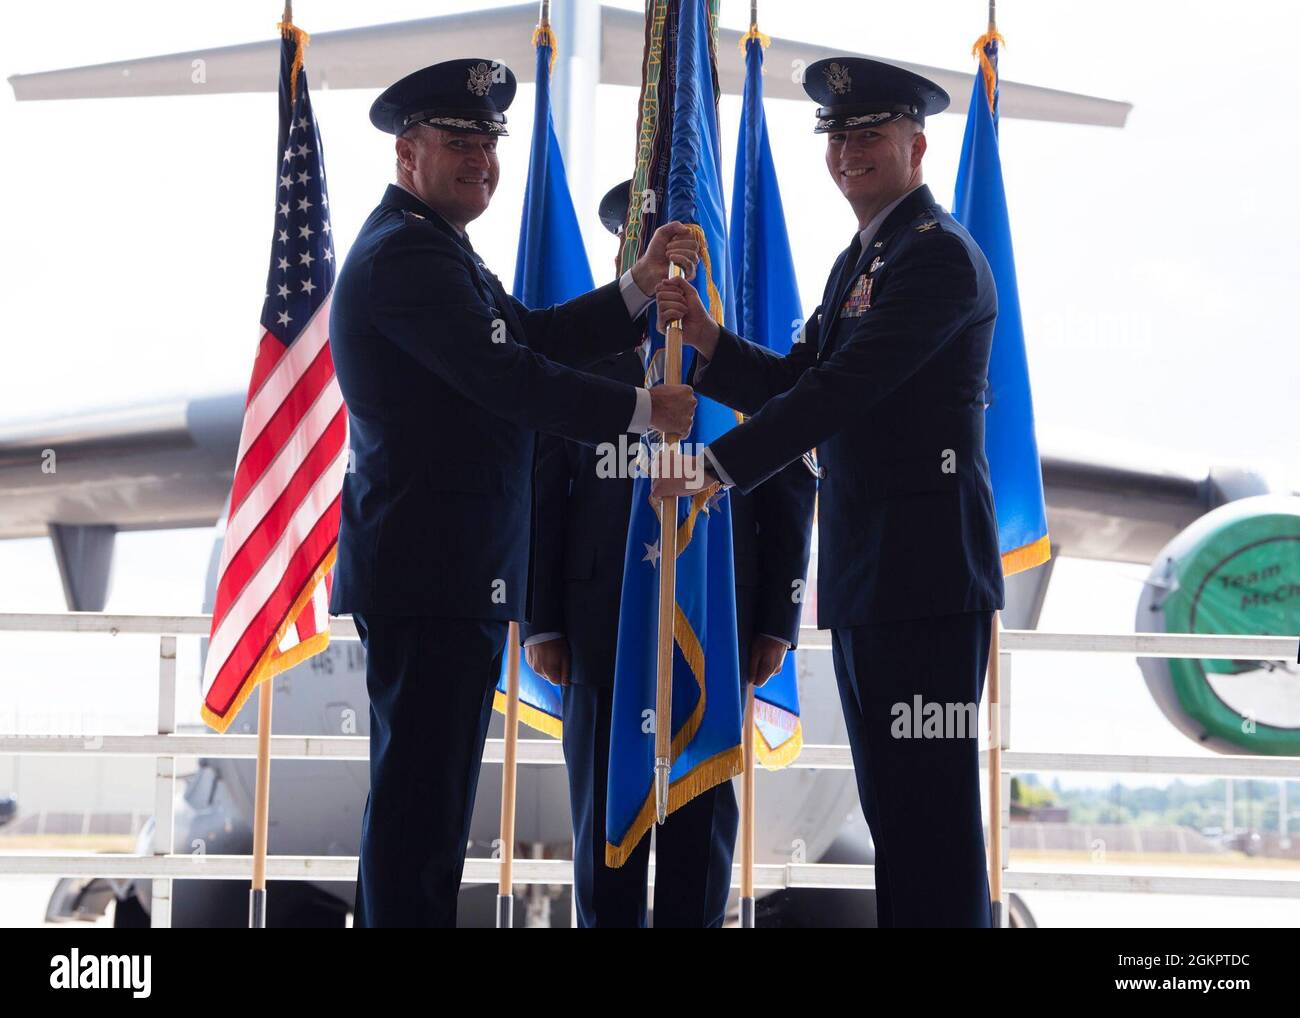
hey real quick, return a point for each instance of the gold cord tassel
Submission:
(289, 30)
(986, 65)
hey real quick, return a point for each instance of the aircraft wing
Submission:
(170, 465)
(376, 55)
(137, 468)
(1108, 503)
(80, 479)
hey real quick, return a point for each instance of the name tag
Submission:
(859, 298)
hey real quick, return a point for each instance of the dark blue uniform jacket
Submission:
(447, 379)
(888, 384)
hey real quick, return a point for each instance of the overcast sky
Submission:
(1158, 263)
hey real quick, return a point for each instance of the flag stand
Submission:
(261, 809)
(747, 816)
(995, 774)
(667, 587)
(509, 767)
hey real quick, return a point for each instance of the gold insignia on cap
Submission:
(480, 79)
(837, 78)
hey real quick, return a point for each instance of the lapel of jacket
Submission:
(843, 280)
(904, 212)
(504, 307)
(400, 198)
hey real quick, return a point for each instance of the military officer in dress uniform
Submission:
(446, 380)
(573, 636)
(888, 384)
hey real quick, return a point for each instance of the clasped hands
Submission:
(673, 406)
(679, 474)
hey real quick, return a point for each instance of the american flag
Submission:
(283, 523)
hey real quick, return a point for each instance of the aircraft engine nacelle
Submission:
(1235, 571)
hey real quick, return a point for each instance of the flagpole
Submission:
(509, 767)
(747, 817)
(995, 773)
(262, 787)
(667, 587)
(995, 721)
(747, 741)
(261, 809)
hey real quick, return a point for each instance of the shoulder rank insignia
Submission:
(926, 224)
(859, 298)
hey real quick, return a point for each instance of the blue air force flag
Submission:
(551, 267)
(980, 205)
(678, 158)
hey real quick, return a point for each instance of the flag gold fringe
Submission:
(272, 662)
(764, 40)
(543, 36)
(716, 311)
(1027, 556)
(986, 65)
(713, 771)
(538, 720)
(301, 38)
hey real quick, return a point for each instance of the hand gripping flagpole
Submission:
(667, 586)
(505, 886)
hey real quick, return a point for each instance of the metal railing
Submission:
(164, 864)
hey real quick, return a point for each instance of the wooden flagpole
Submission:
(667, 588)
(509, 768)
(995, 773)
(747, 741)
(261, 808)
(995, 724)
(262, 786)
(747, 816)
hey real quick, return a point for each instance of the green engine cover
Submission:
(1236, 571)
